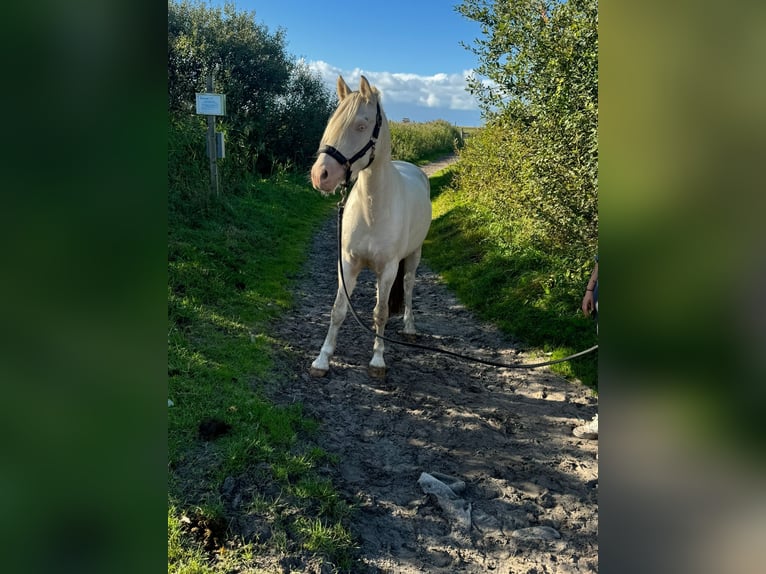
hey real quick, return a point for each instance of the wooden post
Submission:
(211, 144)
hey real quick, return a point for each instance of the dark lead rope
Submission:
(341, 206)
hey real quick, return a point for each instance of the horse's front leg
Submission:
(377, 367)
(321, 364)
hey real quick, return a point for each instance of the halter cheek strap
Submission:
(347, 163)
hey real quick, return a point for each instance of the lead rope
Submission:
(341, 207)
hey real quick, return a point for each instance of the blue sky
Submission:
(409, 49)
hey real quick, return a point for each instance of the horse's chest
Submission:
(373, 232)
(371, 246)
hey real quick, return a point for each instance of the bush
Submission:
(554, 212)
(536, 162)
(423, 142)
(188, 173)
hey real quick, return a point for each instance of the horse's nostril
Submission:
(324, 174)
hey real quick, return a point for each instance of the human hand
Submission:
(587, 303)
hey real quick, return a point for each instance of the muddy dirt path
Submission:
(530, 496)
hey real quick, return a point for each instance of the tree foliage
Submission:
(276, 107)
(536, 163)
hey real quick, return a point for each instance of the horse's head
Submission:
(350, 138)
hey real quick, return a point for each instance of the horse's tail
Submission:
(396, 297)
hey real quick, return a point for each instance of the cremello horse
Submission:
(386, 218)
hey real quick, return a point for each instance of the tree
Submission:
(541, 60)
(243, 56)
(268, 95)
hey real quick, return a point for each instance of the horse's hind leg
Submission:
(411, 263)
(321, 364)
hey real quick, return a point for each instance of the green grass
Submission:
(230, 268)
(527, 294)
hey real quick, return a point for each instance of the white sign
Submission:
(211, 104)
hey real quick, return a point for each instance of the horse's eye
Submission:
(361, 127)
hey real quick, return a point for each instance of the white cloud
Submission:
(443, 91)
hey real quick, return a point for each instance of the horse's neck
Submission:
(377, 186)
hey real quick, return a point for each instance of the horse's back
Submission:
(415, 178)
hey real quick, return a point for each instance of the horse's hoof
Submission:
(376, 372)
(409, 337)
(317, 373)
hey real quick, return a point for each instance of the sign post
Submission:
(211, 105)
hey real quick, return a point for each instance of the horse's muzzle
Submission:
(326, 174)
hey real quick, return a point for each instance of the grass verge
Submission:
(243, 487)
(529, 295)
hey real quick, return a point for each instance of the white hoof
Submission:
(317, 373)
(410, 336)
(376, 372)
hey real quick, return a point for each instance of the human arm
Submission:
(587, 300)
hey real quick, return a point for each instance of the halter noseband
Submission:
(347, 163)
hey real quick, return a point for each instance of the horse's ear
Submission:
(343, 89)
(365, 88)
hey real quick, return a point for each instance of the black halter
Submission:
(347, 163)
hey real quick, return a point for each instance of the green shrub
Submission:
(535, 165)
(188, 173)
(423, 142)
